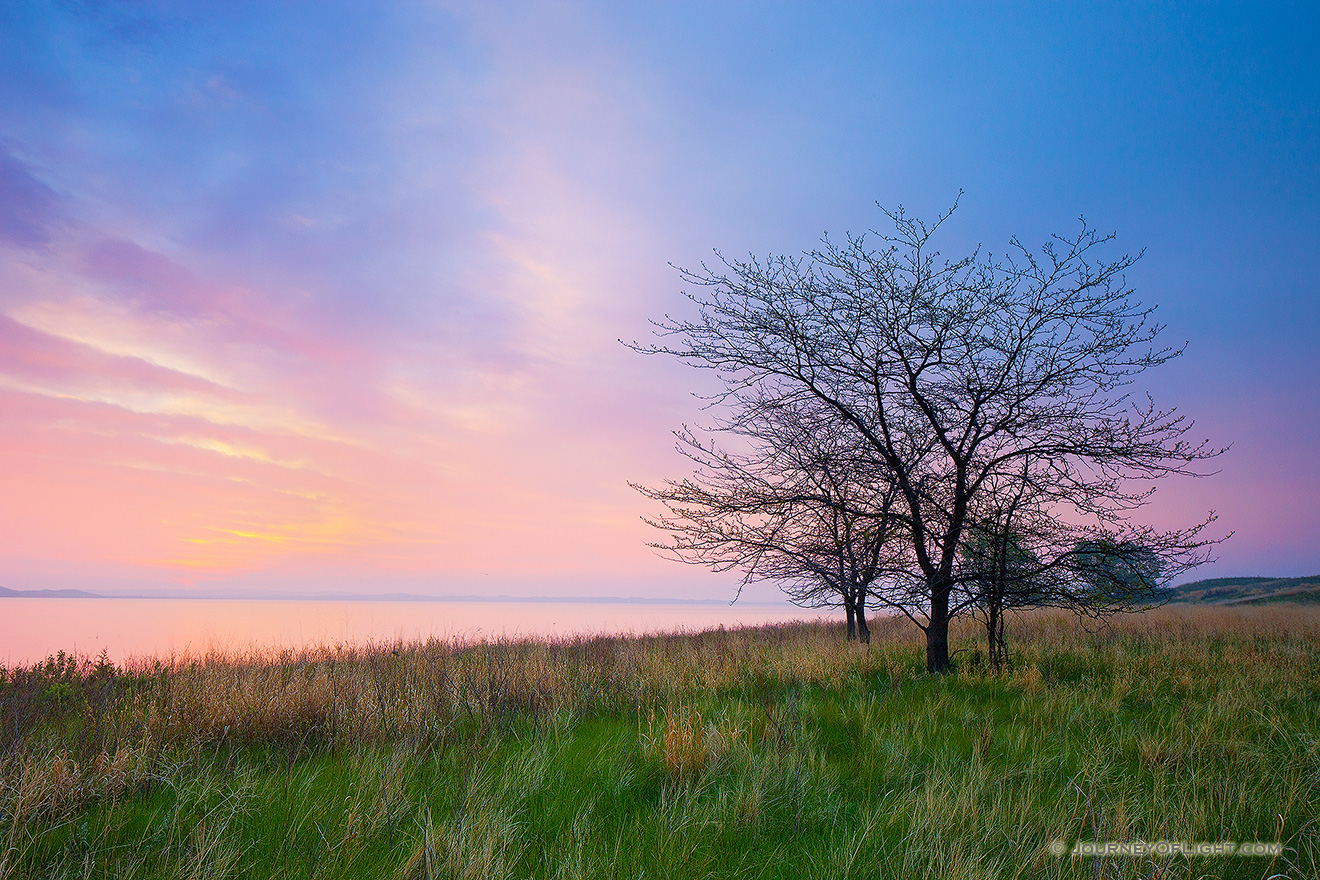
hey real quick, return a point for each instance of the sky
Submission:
(327, 297)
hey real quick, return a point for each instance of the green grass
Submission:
(1248, 591)
(774, 752)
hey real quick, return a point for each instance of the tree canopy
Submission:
(960, 383)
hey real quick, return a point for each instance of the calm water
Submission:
(31, 629)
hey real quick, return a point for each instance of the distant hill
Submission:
(1248, 591)
(6, 593)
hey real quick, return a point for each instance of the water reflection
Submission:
(31, 629)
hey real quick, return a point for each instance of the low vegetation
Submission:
(1249, 591)
(768, 752)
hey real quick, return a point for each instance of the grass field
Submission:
(770, 752)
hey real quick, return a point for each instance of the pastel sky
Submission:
(327, 296)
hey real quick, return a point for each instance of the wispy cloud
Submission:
(284, 291)
(403, 357)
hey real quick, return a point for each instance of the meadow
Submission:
(776, 751)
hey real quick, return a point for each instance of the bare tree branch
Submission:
(955, 381)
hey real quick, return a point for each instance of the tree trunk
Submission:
(863, 630)
(1000, 654)
(852, 621)
(937, 630)
(992, 626)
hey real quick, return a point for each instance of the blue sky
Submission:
(292, 293)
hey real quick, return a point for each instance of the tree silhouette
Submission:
(804, 508)
(957, 379)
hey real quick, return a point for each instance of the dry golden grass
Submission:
(421, 693)
(425, 695)
(686, 743)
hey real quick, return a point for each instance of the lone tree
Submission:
(805, 507)
(1017, 553)
(957, 377)
(999, 569)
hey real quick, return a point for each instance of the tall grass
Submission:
(770, 751)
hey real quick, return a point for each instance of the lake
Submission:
(31, 629)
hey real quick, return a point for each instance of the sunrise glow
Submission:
(333, 301)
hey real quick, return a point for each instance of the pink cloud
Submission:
(32, 354)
